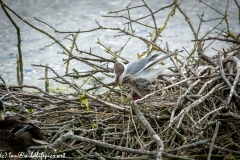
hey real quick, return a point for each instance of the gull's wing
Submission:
(154, 60)
(136, 66)
(151, 74)
(148, 62)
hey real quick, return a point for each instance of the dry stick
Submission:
(65, 32)
(187, 146)
(237, 61)
(46, 80)
(128, 129)
(238, 10)
(151, 131)
(200, 24)
(205, 69)
(43, 98)
(212, 8)
(223, 75)
(70, 52)
(231, 114)
(129, 17)
(213, 140)
(19, 79)
(4, 96)
(154, 21)
(215, 38)
(59, 131)
(121, 142)
(91, 54)
(47, 46)
(96, 60)
(237, 4)
(19, 60)
(87, 73)
(130, 20)
(89, 63)
(138, 138)
(46, 93)
(189, 117)
(125, 9)
(224, 149)
(203, 56)
(207, 84)
(229, 33)
(209, 123)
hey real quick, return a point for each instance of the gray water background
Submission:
(71, 15)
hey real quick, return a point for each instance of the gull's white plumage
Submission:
(142, 68)
(139, 75)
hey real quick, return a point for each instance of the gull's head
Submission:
(119, 70)
(2, 110)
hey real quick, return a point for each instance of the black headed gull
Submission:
(141, 68)
(141, 86)
(139, 75)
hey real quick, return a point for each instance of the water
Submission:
(71, 15)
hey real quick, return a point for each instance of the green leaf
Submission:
(31, 110)
(127, 100)
(112, 154)
(84, 100)
(94, 125)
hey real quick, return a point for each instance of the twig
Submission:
(213, 140)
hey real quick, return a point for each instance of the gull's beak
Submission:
(117, 78)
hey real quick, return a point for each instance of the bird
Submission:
(17, 132)
(140, 86)
(140, 70)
